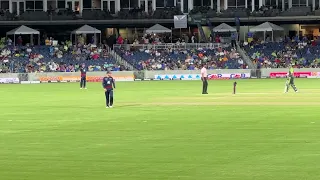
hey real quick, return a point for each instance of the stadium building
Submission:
(127, 16)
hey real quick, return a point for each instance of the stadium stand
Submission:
(299, 53)
(180, 56)
(64, 58)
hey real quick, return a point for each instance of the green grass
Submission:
(161, 131)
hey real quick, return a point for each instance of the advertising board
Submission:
(177, 77)
(9, 80)
(284, 74)
(77, 78)
(198, 76)
(229, 76)
(314, 75)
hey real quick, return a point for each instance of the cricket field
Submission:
(161, 130)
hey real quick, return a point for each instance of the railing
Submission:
(171, 46)
(245, 57)
(119, 59)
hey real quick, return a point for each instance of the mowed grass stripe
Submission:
(160, 130)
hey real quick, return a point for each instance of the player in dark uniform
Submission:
(108, 83)
(83, 79)
(290, 81)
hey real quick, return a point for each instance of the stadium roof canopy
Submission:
(22, 30)
(267, 26)
(224, 28)
(86, 29)
(158, 29)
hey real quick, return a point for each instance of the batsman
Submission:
(290, 81)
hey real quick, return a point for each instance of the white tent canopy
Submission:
(22, 30)
(224, 28)
(267, 26)
(158, 29)
(86, 29)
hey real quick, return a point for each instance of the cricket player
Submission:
(108, 84)
(83, 78)
(204, 78)
(290, 81)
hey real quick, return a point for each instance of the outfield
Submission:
(161, 130)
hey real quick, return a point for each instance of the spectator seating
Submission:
(281, 54)
(266, 12)
(41, 56)
(96, 14)
(191, 58)
(297, 11)
(234, 12)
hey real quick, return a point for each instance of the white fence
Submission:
(171, 46)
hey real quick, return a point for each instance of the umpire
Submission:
(204, 78)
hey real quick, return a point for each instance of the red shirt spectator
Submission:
(120, 40)
(19, 40)
(95, 56)
(217, 39)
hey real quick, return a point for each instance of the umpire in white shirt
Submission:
(204, 78)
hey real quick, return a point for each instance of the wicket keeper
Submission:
(108, 84)
(290, 81)
(83, 78)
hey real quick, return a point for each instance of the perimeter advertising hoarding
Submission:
(198, 76)
(229, 76)
(77, 78)
(284, 74)
(9, 80)
(314, 75)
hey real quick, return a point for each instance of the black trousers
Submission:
(234, 44)
(204, 85)
(83, 82)
(109, 97)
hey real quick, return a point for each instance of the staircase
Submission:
(120, 60)
(245, 57)
(210, 26)
(203, 37)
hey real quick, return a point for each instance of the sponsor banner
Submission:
(229, 76)
(198, 76)
(30, 82)
(314, 75)
(177, 77)
(89, 78)
(284, 74)
(9, 81)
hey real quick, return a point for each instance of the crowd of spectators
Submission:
(54, 57)
(297, 51)
(183, 59)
